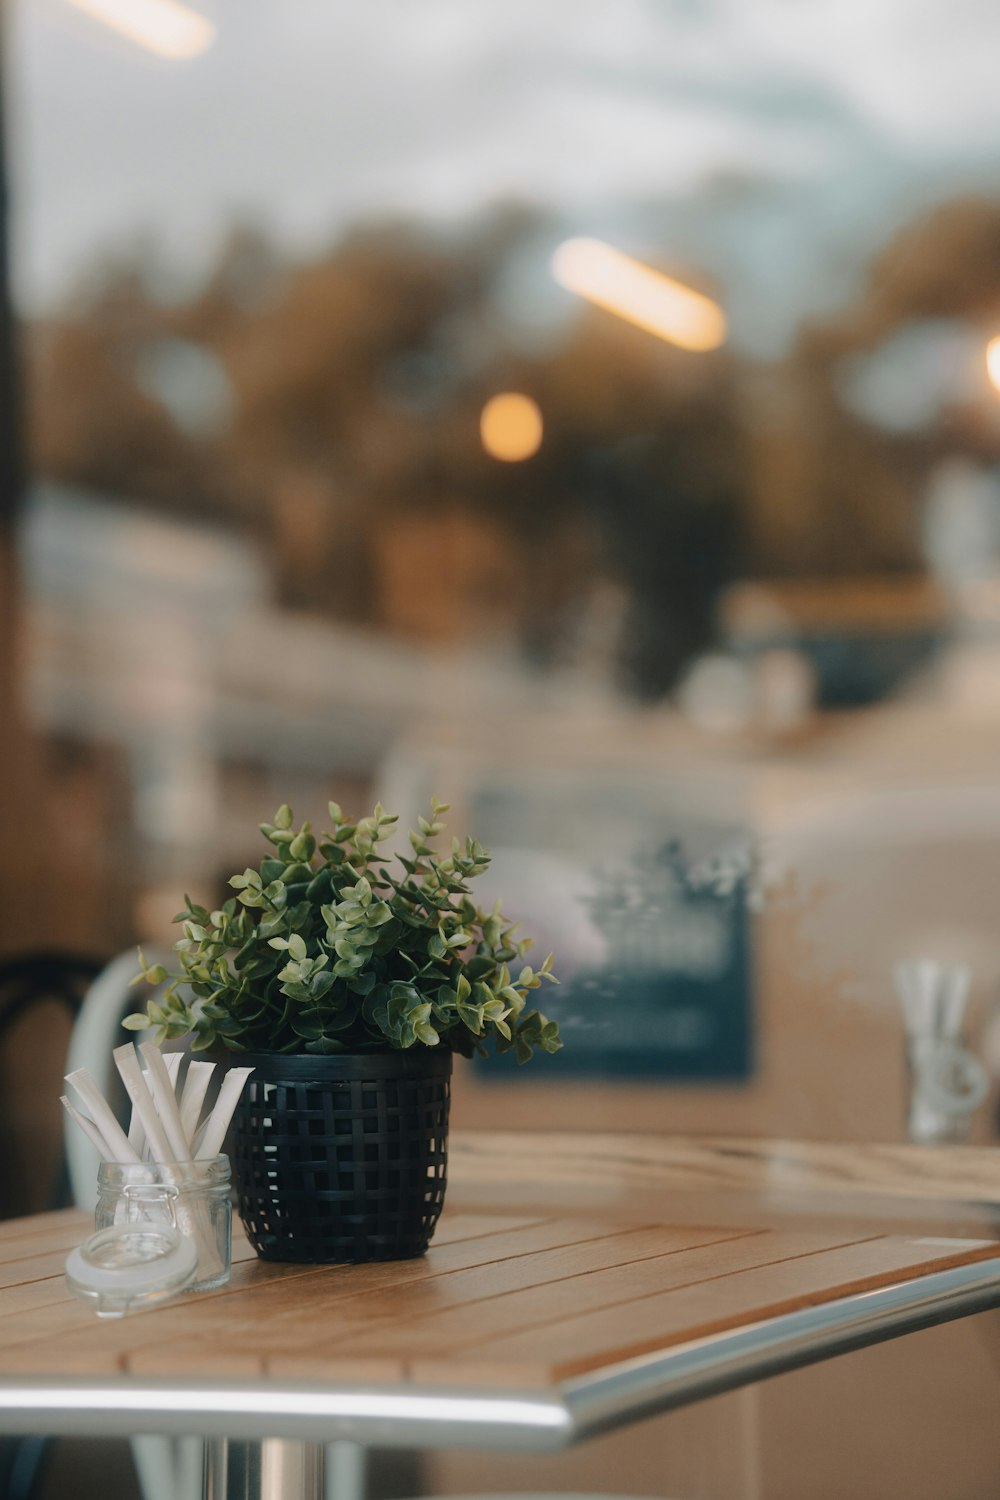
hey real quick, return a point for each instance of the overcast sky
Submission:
(774, 141)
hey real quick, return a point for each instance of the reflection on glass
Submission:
(993, 360)
(639, 294)
(356, 471)
(511, 427)
(165, 27)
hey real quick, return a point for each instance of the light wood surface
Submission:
(618, 1172)
(510, 1300)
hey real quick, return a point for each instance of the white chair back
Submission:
(98, 1030)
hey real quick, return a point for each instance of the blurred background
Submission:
(586, 413)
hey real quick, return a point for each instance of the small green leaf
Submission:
(364, 983)
(303, 846)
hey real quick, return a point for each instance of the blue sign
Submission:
(665, 989)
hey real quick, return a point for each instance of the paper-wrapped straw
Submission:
(214, 1130)
(116, 1140)
(199, 1075)
(933, 997)
(134, 1080)
(157, 1079)
(136, 1134)
(88, 1127)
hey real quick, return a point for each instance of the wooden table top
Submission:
(544, 1304)
(712, 1173)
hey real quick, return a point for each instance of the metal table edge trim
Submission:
(720, 1362)
(375, 1416)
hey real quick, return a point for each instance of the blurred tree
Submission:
(837, 489)
(352, 442)
(93, 419)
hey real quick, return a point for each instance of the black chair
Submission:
(26, 983)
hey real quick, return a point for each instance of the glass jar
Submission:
(191, 1197)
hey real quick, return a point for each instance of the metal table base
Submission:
(280, 1469)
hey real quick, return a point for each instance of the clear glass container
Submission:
(191, 1197)
(125, 1267)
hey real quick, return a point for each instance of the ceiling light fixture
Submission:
(511, 427)
(993, 361)
(640, 295)
(165, 27)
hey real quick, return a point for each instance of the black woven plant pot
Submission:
(342, 1158)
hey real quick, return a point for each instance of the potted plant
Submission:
(349, 978)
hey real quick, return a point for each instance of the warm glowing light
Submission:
(993, 361)
(165, 27)
(511, 427)
(639, 294)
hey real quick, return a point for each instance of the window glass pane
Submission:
(585, 414)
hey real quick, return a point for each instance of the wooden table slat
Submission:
(455, 1227)
(62, 1234)
(67, 1330)
(42, 1224)
(453, 1330)
(392, 1322)
(577, 1344)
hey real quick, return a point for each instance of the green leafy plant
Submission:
(331, 946)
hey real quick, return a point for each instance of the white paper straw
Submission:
(199, 1075)
(218, 1121)
(85, 1087)
(209, 1258)
(157, 1080)
(933, 998)
(956, 994)
(136, 1134)
(134, 1080)
(88, 1127)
